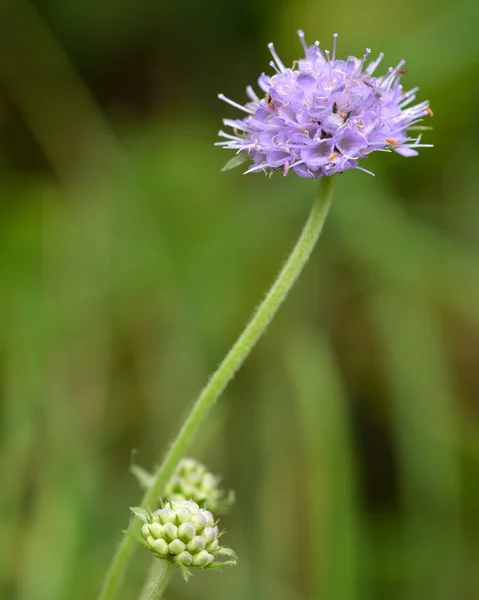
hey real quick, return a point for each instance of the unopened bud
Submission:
(192, 481)
(183, 533)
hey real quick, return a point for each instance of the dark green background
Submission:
(129, 263)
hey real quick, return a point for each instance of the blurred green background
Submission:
(129, 263)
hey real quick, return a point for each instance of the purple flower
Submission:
(324, 114)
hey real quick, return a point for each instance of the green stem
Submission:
(224, 373)
(158, 579)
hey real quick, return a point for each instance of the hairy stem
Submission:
(158, 579)
(224, 373)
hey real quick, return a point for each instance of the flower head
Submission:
(185, 534)
(324, 114)
(193, 481)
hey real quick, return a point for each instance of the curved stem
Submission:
(158, 579)
(225, 372)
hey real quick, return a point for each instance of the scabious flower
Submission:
(191, 480)
(185, 534)
(324, 114)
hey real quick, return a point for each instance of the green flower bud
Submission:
(210, 533)
(203, 559)
(183, 515)
(192, 481)
(160, 547)
(145, 530)
(166, 515)
(185, 534)
(156, 530)
(199, 521)
(176, 547)
(185, 558)
(170, 532)
(197, 543)
(210, 520)
(186, 531)
(212, 546)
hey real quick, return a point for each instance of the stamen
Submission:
(235, 104)
(417, 143)
(335, 37)
(429, 111)
(385, 77)
(333, 155)
(375, 144)
(327, 58)
(221, 133)
(408, 124)
(366, 171)
(392, 75)
(363, 60)
(420, 128)
(233, 146)
(407, 100)
(260, 167)
(295, 164)
(419, 107)
(303, 41)
(252, 94)
(235, 124)
(273, 64)
(410, 93)
(274, 54)
(373, 66)
(391, 141)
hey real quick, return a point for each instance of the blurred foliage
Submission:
(128, 264)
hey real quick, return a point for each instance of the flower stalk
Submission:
(223, 375)
(158, 580)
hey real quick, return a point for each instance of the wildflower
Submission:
(191, 481)
(185, 534)
(323, 115)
